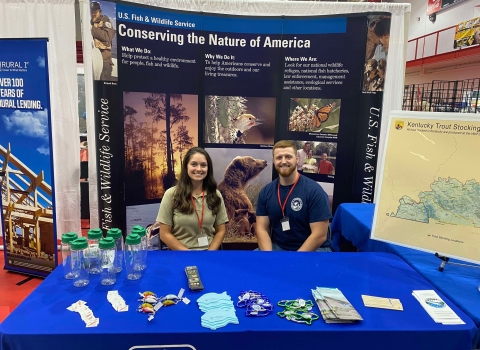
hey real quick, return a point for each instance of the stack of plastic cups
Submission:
(80, 262)
(116, 234)
(133, 256)
(94, 236)
(142, 232)
(107, 251)
(67, 239)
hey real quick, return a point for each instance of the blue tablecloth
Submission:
(42, 320)
(460, 284)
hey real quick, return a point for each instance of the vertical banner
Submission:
(368, 132)
(234, 85)
(26, 161)
(108, 120)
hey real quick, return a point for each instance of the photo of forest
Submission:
(159, 128)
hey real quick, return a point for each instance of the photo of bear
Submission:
(240, 175)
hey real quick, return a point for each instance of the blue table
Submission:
(459, 284)
(43, 319)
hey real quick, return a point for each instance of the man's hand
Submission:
(317, 237)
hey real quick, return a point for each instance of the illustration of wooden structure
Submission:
(27, 207)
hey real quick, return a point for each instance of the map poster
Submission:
(429, 184)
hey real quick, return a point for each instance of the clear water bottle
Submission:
(67, 238)
(80, 262)
(133, 256)
(93, 254)
(142, 232)
(107, 252)
(116, 234)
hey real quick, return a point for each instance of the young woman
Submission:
(192, 214)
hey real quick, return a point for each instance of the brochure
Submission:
(334, 307)
(438, 310)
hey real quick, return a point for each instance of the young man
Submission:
(325, 167)
(294, 208)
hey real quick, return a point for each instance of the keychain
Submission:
(256, 303)
(298, 311)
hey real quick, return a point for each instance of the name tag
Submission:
(285, 224)
(202, 241)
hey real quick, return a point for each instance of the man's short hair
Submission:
(382, 27)
(284, 144)
(94, 6)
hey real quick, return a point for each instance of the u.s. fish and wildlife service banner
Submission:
(26, 161)
(430, 184)
(233, 85)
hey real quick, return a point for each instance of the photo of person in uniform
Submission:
(103, 33)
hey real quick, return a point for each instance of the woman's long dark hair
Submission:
(182, 196)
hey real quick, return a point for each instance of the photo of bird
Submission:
(238, 120)
(240, 125)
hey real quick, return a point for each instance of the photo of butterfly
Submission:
(314, 115)
(322, 114)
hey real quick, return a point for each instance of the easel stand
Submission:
(445, 261)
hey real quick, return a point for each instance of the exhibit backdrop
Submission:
(429, 185)
(234, 85)
(26, 162)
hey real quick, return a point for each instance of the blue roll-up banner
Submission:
(234, 85)
(26, 161)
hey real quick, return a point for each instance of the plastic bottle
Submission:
(142, 232)
(107, 252)
(94, 236)
(67, 238)
(80, 262)
(133, 256)
(116, 234)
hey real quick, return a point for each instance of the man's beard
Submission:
(285, 171)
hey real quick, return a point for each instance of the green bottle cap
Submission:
(139, 230)
(79, 244)
(68, 237)
(114, 233)
(95, 233)
(133, 239)
(106, 243)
